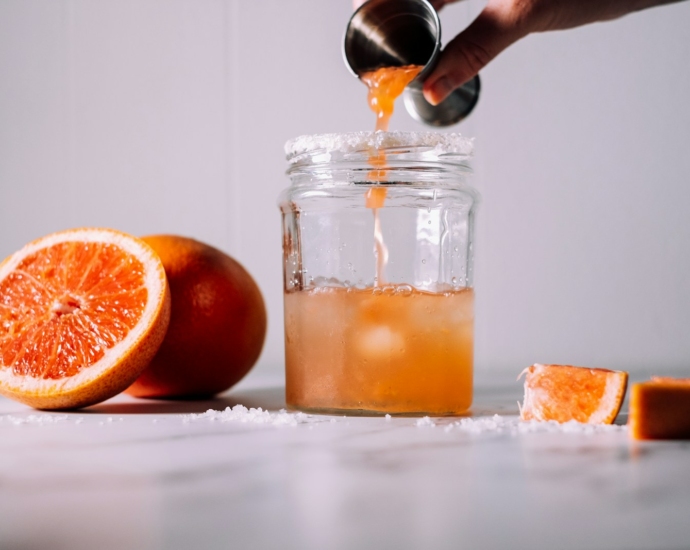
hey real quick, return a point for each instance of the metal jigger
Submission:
(395, 33)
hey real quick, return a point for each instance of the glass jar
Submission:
(377, 251)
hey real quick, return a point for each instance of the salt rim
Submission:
(362, 141)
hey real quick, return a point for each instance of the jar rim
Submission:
(354, 142)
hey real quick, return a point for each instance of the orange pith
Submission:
(81, 314)
(564, 393)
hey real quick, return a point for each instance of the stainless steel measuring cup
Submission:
(395, 33)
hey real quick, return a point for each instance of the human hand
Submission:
(503, 22)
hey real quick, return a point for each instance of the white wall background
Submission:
(170, 116)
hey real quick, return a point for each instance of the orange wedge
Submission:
(660, 409)
(82, 312)
(563, 393)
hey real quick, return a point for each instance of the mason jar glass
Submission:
(377, 249)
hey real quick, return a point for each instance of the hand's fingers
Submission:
(465, 55)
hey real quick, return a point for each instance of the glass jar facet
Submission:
(363, 334)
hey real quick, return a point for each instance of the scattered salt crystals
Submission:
(425, 421)
(495, 423)
(513, 425)
(36, 419)
(571, 427)
(240, 413)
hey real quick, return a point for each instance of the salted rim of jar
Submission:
(418, 154)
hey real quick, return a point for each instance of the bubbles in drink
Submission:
(403, 290)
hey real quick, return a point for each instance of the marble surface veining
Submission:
(139, 474)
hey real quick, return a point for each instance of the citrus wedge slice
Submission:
(563, 393)
(660, 409)
(82, 312)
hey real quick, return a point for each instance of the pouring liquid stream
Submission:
(385, 86)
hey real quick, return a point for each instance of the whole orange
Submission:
(217, 323)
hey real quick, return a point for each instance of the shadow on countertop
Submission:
(488, 400)
(268, 398)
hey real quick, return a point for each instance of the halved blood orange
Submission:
(82, 312)
(660, 409)
(563, 393)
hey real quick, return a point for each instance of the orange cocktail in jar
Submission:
(388, 350)
(378, 285)
(362, 334)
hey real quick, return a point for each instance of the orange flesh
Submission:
(563, 393)
(64, 306)
(660, 409)
(392, 350)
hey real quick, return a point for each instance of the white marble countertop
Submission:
(138, 474)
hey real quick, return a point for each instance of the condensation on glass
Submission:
(379, 303)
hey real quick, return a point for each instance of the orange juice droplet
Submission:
(385, 85)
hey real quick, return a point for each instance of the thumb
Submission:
(468, 53)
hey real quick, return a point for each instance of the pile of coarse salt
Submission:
(240, 413)
(513, 425)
